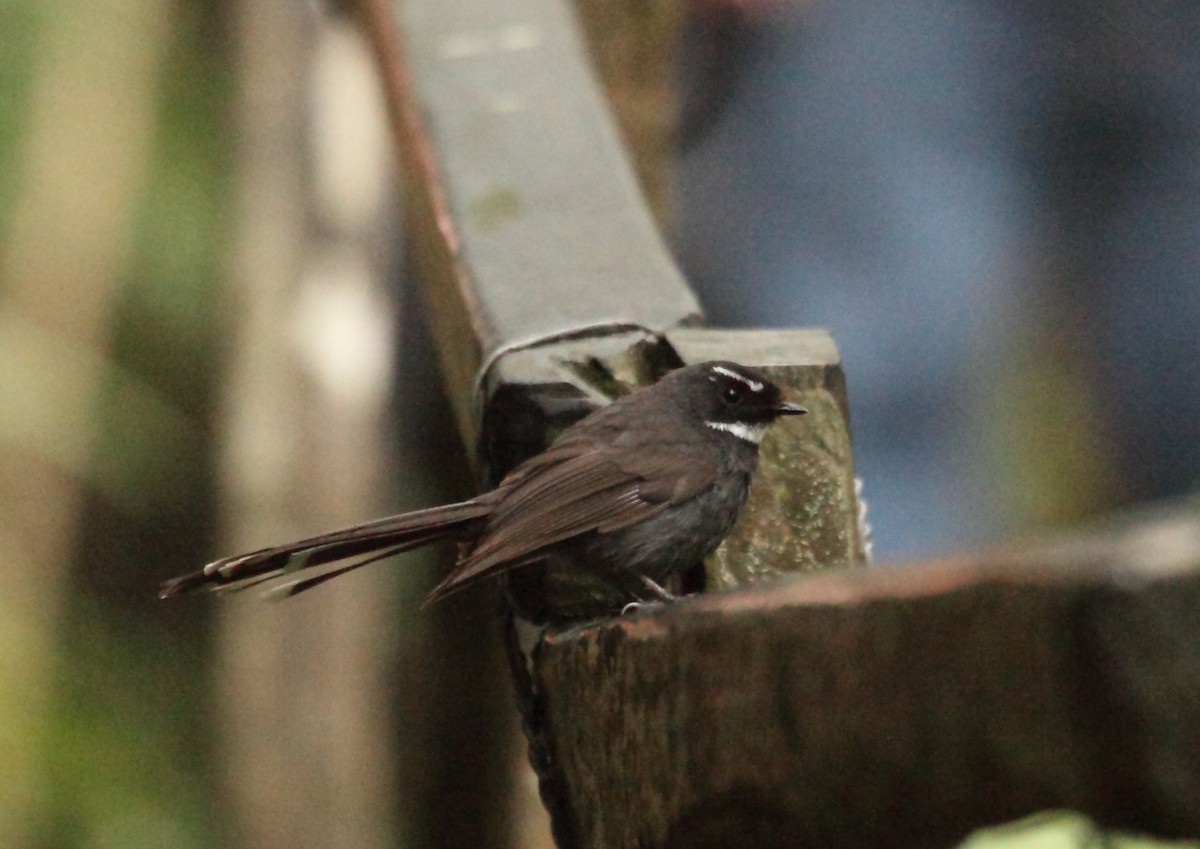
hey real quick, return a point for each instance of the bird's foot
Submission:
(659, 596)
(635, 606)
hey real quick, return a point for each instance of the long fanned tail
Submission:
(297, 565)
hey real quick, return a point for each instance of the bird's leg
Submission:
(660, 596)
(657, 590)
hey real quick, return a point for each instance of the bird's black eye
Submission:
(731, 395)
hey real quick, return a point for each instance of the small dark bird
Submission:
(634, 493)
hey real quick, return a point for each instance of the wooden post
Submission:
(549, 289)
(890, 707)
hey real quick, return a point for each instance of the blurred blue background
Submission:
(995, 207)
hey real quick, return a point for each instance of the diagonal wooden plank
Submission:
(526, 216)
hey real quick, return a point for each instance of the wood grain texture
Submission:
(897, 706)
(525, 217)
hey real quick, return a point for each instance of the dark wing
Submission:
(575, 488)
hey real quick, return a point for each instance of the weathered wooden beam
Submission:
(550, 290)
(549, 287)
(528, 221)
(890, 707)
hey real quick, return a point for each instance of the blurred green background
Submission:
(114, 196)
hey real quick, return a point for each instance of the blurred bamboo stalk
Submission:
(83, 162)
(304, 688)
(302, 685)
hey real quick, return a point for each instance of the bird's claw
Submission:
(635, 606)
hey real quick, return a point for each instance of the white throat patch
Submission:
(749, 432)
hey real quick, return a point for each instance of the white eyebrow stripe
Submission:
(754, 385)
(749, 432)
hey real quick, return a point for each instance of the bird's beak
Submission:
(787, 408)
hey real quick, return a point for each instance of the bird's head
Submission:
(735, 399)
